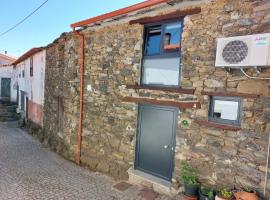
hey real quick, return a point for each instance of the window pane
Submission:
(161, 71)
(227, 110)
(153, 41)
(172, 36)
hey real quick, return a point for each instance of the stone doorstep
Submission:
(159, 185)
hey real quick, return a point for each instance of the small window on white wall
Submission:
(31, 66)
(225, 110)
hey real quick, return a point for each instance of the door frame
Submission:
(26, 107)
(2, 80)
(138, 135)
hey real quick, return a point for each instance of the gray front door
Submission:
(156, 140)
(5, 87)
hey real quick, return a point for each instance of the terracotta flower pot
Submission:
(246, 195)
(186, 197)
(220, 198)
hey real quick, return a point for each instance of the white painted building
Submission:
(8, 80)
(6, 60)
(30, 69)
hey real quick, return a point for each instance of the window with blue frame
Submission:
(161, 58)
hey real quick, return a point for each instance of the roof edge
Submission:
(115, 13)
(10, 58)
(28, 54)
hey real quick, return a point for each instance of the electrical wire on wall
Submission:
(267, 165)
(268, 149)
(253, 77)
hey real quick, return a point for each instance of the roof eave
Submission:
(28, 54)
(122, 11)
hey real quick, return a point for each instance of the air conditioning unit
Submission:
(244, 51)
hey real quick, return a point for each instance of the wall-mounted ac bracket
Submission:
(258, 69)
(227, 69)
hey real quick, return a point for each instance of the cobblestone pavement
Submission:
(30, 171)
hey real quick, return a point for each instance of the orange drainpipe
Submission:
(80, 121)
(145, 4)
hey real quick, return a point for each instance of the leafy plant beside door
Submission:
(190, 179)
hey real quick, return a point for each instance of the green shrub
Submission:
(208, 192)
(188, 174)
(226, 193)
(247, 189)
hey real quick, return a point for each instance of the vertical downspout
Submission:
(267, 166)
(80, 120)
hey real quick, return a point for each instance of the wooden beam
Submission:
(170, 16)
(168, 89)
(188, 104)
(216, 125)
(230, 94)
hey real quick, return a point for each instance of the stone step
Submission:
(159, 185)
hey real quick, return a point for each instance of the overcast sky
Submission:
(49, 22)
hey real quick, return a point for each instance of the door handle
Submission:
(166, 146)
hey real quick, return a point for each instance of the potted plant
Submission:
(190, 180)
(246, 194)
(224, 194)
(206, 193)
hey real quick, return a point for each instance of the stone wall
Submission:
(113, 60)
(224, 157)
(61, 106)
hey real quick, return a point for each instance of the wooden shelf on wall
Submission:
(170, 16)
(230, 94)
(168, 89)
(217, 125)
(186, 105)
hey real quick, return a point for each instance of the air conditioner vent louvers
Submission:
(235, 52)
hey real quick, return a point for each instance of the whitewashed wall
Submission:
(10, 72)
(32, 86)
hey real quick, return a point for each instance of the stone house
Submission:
(30, 73)
(134, 92)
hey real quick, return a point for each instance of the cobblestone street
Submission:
(30, 171)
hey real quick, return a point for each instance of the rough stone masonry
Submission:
(113, 60)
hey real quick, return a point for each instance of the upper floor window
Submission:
(31, 66)
(161, 58)
(225, 110)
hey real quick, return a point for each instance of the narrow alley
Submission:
(28, 170)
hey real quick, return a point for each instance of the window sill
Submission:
(166, 89)
(177, 104)
(217, 125)
(172, 47)
(230, 94)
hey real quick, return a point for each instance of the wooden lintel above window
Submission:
(188, 104)
(217, 125)
(166, 89)
(170, 16)
(230, 94)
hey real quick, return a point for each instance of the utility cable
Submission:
(267, 165)
(24, 19)
(253, 77)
